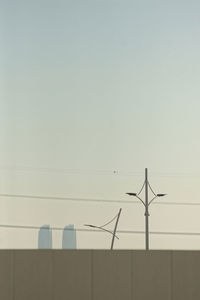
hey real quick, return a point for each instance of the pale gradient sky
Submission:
(89, 87)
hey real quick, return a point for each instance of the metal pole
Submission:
(114, 232)
(146, 211)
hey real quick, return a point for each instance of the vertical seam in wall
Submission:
(13, 274)
(171, 275)
(52, 274)
(132, 275)
(92, 276)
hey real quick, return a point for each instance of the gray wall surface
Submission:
(99, 275)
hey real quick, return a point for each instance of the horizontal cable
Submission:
(98, 230)
(177, 203)
(44, 228)
(64, 198)
(70, 171)
(99, 171)
(93, 200)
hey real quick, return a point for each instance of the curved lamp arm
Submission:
(140, 200)
(152, 200)
(158, 195)
(136, 195)
(103, 229)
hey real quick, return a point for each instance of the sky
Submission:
(92, 92)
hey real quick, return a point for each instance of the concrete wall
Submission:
(99, 275)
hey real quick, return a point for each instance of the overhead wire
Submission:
(23, 196)
(99, 230)
(98, 171)
(64, 198)
(66, 170)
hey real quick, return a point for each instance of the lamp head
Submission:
(132, 194)
(88, 225)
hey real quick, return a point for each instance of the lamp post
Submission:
(109, 231)
(146, 204)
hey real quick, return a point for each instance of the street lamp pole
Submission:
(146, 210)
(109, 231)
(115, 229)
(146, 204)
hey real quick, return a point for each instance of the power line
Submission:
(97, 171)
(93, 200)
(99, 231)
(160, 232)
(64, 170)
(177, 203)
(64, 198)
(43, 228)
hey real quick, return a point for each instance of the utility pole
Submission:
(146, 204)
